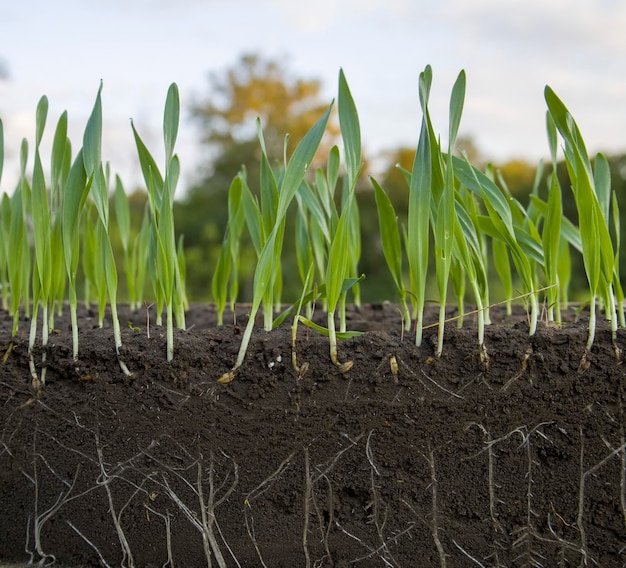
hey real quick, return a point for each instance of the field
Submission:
(406, 459)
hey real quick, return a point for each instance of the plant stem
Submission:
(332, 338)
(170, 332)
(118, 338)
(534, 312)
(342, 312)
(31, 343)
(74, 329)
(440, 329)
(247, 334)
(592, 322)
(418, 316)
(480, 313)
(612, 313)
(44, 342)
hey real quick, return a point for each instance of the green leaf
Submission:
(299, 164)
(318, 293)
(602, 184)
(598, 254)
(253, 218)
(552, 233)
(40, 121)
(312, 204)
(456, 109)
(336, 269)
(122, 213)
(417, 244)
(341, 335)
(552, 137)
(149, 169)
(350, 130)
(75, 195)
(170, 121)
(296, 169)
(59, 147)
(332, 172)
(389, 234)
(481, 185)
(92, 138)
(41, 225)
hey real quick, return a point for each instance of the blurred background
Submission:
(234, 60)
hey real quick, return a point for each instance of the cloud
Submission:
(539, 24)
(324, 14)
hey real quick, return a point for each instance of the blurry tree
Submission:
(392, 178)
(259, 88)
(519, 177)
(467, 145)
(253, 87)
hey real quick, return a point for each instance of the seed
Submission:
(393, 364)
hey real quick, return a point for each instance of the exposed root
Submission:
(379, 508)
(491, 481)
(435, 519)
(528, 555)
(39, 519)
(103, 562)
(623, 478)
(207, 509)
(308, 494)
(468, 555)
(584, 474)
(127, 555)
(259, 490)
(205, 521)
(167, 519)
(7, 353)
(453, 394)
(123, 366)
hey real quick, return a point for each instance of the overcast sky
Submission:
(510, 50)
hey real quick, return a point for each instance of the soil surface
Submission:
(404, 460)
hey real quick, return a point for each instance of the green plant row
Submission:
(460, 219)
(50, 227)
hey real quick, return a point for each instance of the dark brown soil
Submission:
(448, 462)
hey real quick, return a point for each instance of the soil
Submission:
(404, 460)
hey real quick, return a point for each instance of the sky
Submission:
(510, 49)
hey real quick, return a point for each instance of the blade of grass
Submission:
(92, 160)
(76, 192)
(446, 219)
(598, 253)
(338, 257)
(392, 245)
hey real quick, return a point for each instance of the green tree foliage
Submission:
(253, 87)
